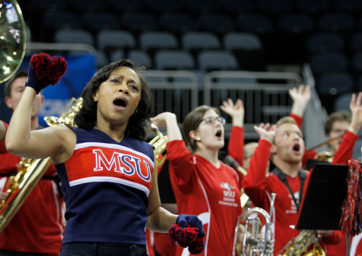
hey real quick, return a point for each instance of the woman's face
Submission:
(210, 133)
(118, 96)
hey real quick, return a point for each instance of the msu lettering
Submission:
(122, 163)
(228, 193)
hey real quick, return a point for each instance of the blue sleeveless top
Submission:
(106, 186)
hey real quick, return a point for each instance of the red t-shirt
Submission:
(213, 194)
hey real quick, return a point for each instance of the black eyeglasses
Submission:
(213, 119)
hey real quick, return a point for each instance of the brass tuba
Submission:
(255, 241)
(30, 171)
(300, 244)
(12, 38)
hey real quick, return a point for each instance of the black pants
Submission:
(102, 249)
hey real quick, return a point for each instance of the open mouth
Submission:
(296, 148)
(120, 102)
(218, 134)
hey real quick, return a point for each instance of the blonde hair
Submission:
(285, 120)
(282, 121)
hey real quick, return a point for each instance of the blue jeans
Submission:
(102, 249)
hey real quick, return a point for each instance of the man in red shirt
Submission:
(37, 228)
(338, 127)
(287, 149)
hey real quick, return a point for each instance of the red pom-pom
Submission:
(187, 237)
(351, 211)
(197, 247)
(48, 70)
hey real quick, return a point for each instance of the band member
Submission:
(287, 149)
(337, 128)
(202, 184)
(37, 227)
(301, 96)
(106, 169)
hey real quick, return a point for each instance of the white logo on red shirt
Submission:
(293, 207)
(228, 194)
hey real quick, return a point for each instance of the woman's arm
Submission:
(236, 111)
(21, 140)
(188, 231)
(159, 219)
(178, 155)
(168, 120)
(236, 140)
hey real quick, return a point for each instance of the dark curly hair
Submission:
(86, 118)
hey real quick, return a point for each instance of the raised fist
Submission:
(45, 70)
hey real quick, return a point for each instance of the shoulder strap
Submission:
(302, 175)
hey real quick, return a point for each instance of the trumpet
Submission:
(327, 142)
(325, 156)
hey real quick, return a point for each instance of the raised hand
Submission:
(301, 97)
(161, 119)
(265, 131)
(45, 70)
(168, 120)
(302, 93)
(236, 111)
(356, 109)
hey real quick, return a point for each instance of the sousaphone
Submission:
(12, 38)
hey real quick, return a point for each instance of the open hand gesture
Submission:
(265, 131)
(236, 111)
(356, 109)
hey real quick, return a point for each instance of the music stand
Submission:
(321, 206)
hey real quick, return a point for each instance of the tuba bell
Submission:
(30, 171)
(12, 38)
